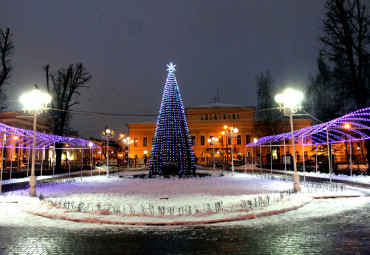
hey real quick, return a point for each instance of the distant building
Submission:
(207, 121)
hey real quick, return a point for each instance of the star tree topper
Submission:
(171, 67)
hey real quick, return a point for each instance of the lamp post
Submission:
(91, 157)
(231, 132)
(121, 136)
(213, 141)
(255, 142)
(127, 141)
(290, 102)
(34, 102)
(107, 134)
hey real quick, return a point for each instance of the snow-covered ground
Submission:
(163, 201)
(353, 178)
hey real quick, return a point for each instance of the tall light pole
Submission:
(290, 102)
(91, 156)
(34, 102)
(121, 136)
(231, 132)
(107, 134)
(127, 141)
(213, 141)
(255, 142)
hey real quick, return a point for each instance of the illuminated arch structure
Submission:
(350, 127)
(18, 138)
(42, 140)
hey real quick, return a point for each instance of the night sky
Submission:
(126, 46)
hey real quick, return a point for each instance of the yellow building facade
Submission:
(205, 122)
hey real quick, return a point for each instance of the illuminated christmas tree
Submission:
(172, 151)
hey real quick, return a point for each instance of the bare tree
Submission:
(65, 88)
(326, 98)
(6, 50)
(270, 120)
(346, 46)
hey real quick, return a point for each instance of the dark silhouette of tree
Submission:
(65, 88)
(326, 99)
(6, 50)
(346, 50)
(346, 47)
(270, 120)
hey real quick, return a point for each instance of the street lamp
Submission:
(127, 141)
(255, 142)
(290, 102)
(91, 160)
(231, 132)
(108, 134)
(34, 102)
(213, 141)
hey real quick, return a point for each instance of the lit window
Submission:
(145, 142)
(193, 140)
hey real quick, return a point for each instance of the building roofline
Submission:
(218, 105)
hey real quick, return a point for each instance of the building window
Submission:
(238, 116)
(239, 140)
(201, 117)
(193, 140)
(206, 116)
(136, 142)
(224, 116)
(210, 116)
(233, 116)
(229, 116)
(202, 140)
(145, 142)
(248, 139)
(221, 140)
(215, 116)
(228, 140)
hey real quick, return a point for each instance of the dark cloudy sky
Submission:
(125, 45)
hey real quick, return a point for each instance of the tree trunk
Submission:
(58, 159)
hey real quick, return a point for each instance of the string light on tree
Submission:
(172, 142)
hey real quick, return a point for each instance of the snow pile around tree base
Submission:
(168, 201)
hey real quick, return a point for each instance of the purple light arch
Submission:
(43, 141)
(316, 135)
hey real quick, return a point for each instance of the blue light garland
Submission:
(172, 141)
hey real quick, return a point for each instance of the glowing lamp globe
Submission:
(290, 98)
(35, 100)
